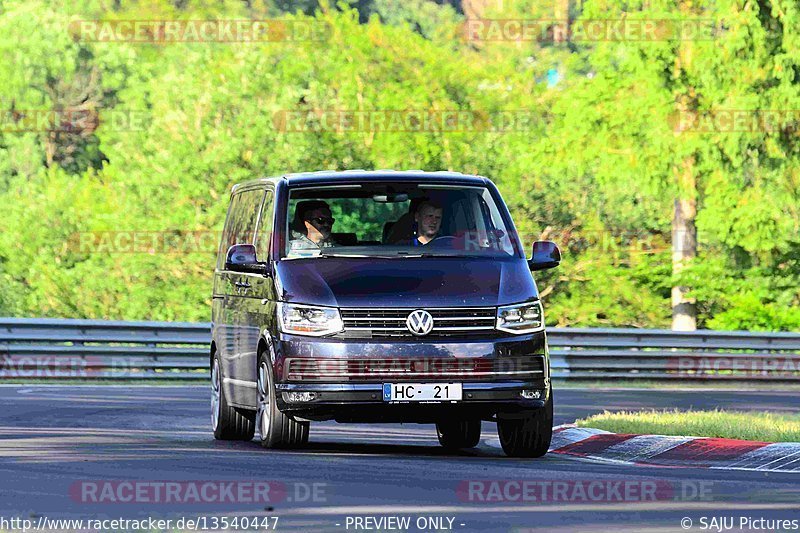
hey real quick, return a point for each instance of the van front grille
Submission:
(370, 323)
(370, 369)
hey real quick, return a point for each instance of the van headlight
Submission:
(309, 320)
(521, 318)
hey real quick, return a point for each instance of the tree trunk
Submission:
(684, 245)
(684, 231)
(475, 9)
(561, 10)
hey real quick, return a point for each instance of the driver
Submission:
(427, 222)
(312, 225)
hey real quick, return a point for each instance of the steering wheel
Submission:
(445, 241)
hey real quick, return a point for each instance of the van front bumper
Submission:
(494, 374)
(363, 402)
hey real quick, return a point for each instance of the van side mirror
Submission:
(242, 258)
(545, 255)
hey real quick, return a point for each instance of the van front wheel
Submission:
(277, 429)
(528, 435)
(457, 434)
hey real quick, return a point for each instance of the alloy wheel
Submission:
(215, 394)
(263, 414)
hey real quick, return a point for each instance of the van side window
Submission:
(264, 231)
(240, 228)
(226, 232)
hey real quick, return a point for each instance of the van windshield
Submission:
(396, 220)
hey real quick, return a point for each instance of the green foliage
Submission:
(593, 167)
(428, 18)
(740, 293)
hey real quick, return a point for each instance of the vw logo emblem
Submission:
(419, 322)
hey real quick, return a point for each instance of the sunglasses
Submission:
(323, 220)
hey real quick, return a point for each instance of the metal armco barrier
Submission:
(41, 349)
(584, 353)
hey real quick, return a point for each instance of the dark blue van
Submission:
(378, 296)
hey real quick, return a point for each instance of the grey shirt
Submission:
(302, 242)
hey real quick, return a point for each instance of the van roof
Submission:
(344, 176)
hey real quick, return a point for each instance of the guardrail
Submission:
(91, 349)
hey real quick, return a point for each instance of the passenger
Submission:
(312, 226)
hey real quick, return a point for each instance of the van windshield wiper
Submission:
(342, 255)
(371, 256)
(406, 256)
(459, 256)
(440, 254)
(400, 255)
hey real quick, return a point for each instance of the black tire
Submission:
(227, 422)
(530, 435)
(276, 430)
(458, 434)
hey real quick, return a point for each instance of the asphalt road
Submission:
(80, 452)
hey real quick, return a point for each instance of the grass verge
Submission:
(758, 426)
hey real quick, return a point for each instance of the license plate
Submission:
(421, 392)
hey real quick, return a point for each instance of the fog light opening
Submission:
(531, 394)
(299, 397)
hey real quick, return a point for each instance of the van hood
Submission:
(418, 282)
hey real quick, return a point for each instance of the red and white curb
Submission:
(666, 451)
